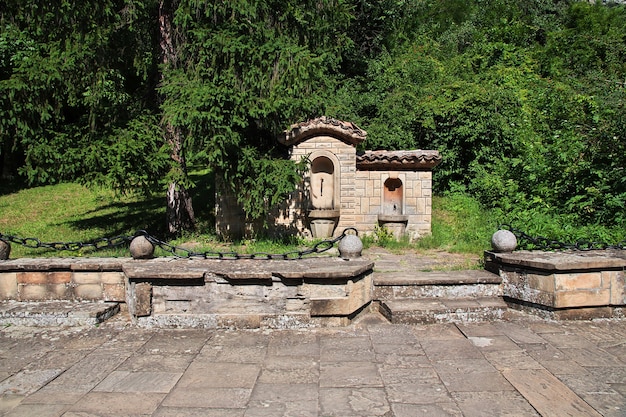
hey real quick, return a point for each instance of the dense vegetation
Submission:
(524, 98)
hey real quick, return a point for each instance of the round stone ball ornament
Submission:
(350, 247)
(141, 248)
(503, 241)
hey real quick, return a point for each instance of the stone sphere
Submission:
(5, 250)
(503, 241)
(350, 247)
(141, 248)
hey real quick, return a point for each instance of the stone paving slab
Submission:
(371, 368)
(55, 313)
(549, 396)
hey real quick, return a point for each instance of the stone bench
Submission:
(564, 284)
(201, 293)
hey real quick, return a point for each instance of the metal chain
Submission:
(97, 244)
(542, 243)
(177, 251)
(181, 252)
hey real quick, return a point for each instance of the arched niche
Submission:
(322, 183)
(324, 180)
(393, 196)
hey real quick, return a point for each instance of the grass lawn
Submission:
(72, 213)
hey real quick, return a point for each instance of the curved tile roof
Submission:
(398, 160)
(345, 131)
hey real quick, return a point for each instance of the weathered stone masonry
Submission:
(563, 285)
(70, 279)
(345, 188)
(200, 293)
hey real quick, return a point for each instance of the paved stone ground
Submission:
(521, 367)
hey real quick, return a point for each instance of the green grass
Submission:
(73, 213)
(459, 225)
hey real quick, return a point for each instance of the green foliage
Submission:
(382, 237)
(524, 99)
(460, 224)
(245, 71)
(263, 183)
(69, 212)
(73, 93)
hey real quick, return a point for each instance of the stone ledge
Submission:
(247, 269)
(577, 313)
(437, 310)
(63, 264)
(56, 313)
(562, 260)
(436, 278)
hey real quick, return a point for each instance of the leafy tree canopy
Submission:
(525, 100)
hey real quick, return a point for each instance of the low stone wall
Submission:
(563, 285)
(72, 279)
(318, 291)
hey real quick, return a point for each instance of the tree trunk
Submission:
(179, 213)
(7, 160)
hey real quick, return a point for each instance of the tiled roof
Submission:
(398, 160)
(346, 131)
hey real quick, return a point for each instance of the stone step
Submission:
(449, 284)
(56, 313)
(444, 310)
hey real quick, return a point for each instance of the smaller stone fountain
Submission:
(392, 217)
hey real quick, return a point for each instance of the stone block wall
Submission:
(565, 284)
(417, 204)
(201, 293)
(62, 285)
(344, 157)
(229, 217)
(361, 192)
(358, 184)
(566, 290)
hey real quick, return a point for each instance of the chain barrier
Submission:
(97, 244)
(176, 251)
(526, 241)
(181, 252)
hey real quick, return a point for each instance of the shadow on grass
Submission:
(11, 186)
(125, 218)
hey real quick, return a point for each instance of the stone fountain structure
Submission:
(345, 188)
